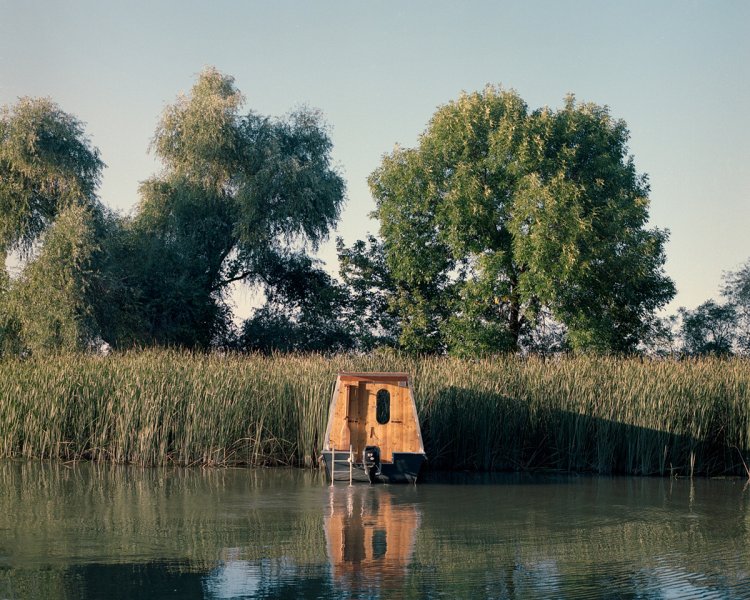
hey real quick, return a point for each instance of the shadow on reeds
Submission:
(502, 413)
(472, 430)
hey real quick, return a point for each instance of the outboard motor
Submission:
(371, 460)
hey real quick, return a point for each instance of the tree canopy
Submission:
(502, 215)
(53, 303)
(239, 195)
(370, 287)
(720, 328)
(737, 292)
(49, 173)
(709, 329)
(237, 191)
(46, 165)
(504, 229)
(306, 310)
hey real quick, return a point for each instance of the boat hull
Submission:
(404, 468)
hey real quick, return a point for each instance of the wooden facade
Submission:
(374, 410)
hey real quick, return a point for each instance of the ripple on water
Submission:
(114, 532)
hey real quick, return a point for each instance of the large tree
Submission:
(736, 290)
(306, 310)
(52, 305)
(46, 164)
(51, 217)
(709, 329)
(502, 215)
(237, 191)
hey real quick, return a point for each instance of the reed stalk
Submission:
(602, 415)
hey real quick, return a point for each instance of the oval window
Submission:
(383, 407)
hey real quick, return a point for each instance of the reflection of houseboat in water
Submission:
(373, 432)
(370, 538)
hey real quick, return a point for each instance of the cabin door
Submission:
(356, 417)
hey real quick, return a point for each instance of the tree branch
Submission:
(224, 282)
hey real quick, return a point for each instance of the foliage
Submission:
(580, 230)
(709, 329)
(67, 294)
(171, 260)
(720, 329)
(501, 214)
(662, 337)
(305, 310)
(46, 165)
(236, 190)
(370, 286)
(418, 260)
(505, 229)
(737, 292)
(51, 305)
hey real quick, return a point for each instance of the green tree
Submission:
(305, 311)
(736, 290)
(237, 191)
(49, 173)
(51, 306)
(502, 215)
(371, 293)
(709, 329)
(46, 165)
(418, 259)
(579, 230)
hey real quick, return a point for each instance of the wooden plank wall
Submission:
(355, 421)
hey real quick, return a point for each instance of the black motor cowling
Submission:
(371, 460)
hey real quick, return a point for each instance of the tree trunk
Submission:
(515, 320)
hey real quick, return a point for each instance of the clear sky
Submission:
(677, 72)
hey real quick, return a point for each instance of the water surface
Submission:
(103, 531)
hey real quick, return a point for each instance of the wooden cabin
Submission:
(373, 430)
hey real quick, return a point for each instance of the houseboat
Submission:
(373, 432)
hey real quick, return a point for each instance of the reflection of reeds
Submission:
(562, 537)
(55, 517)
(596, 538)
(594, 414)
(92, 512)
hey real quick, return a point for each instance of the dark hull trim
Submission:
(404, 468)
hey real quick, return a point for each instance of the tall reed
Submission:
(602, 415)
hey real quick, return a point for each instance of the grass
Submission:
(601, 415)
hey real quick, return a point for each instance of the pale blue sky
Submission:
(677, 72)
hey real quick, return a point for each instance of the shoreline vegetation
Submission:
(568, 414)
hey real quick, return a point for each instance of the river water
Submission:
(103, 531)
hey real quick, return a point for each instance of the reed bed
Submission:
(602, 415)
